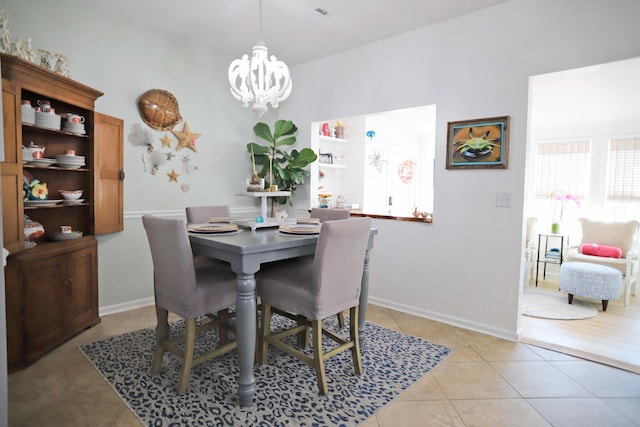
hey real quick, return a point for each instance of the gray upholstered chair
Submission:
(329, 287)
(187, 291)
(201, 214)
(325, 214)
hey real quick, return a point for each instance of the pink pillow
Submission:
(601, 250)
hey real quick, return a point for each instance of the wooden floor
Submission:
(612, 337)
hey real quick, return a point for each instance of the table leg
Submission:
(246, 336)
(364, 290)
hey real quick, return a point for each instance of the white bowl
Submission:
(69, 157)
(71, 194)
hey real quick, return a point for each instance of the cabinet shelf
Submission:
(57, 168)
(331, 166)
(323, 138)
(55, 206)
(34, 128)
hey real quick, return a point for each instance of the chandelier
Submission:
(259, 80)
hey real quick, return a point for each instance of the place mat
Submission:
(211, 228)
(226, 220)
(308, 221)
(300, 229)
(220, 220)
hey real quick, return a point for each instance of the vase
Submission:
(555, 228)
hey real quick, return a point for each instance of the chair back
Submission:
(532, 230)
(338, 263)
(623, 235)
(174, 278)
(325, 214)
(201, 214)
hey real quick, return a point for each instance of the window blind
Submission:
(563, 166)
(623, 171)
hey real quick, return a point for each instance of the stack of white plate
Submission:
(42, 163)
(74, 127)
(28, 114)
(69, 161)
(47, 120)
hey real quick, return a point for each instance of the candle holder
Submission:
(254, 187)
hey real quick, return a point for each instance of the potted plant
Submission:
(274, 163)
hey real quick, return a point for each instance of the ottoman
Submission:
(590, 281)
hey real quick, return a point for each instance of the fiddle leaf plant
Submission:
(287, 169)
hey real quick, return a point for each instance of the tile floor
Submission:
(485, 382)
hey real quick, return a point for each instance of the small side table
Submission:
(551, 254)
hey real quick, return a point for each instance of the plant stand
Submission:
(268, 222)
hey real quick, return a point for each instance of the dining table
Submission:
(246, 250)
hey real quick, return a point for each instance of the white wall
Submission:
(465, 268)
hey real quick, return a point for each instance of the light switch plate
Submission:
(503, 200)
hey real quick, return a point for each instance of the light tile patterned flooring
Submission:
(485, 382)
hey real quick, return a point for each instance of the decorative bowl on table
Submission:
(71, 194)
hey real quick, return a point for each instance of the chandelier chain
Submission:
(260, 24)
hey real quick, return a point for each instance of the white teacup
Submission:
(75, 118)
(45, 106)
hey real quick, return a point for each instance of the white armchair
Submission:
(623, 235)
(531, 246)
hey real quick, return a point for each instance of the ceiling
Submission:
(292, 29)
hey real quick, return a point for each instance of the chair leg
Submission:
(605, 302)
(355, 338)
(223, 317)
(162, 334)
(341, 319)
(318, 356)
(266, 330)
(189, 348)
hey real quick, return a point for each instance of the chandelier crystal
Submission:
(259, 80)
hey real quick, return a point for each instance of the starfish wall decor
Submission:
(186, 138)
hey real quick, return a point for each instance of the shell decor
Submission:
(158, 158)
(159, 109)
(141, 137)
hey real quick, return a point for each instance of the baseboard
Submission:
(126, 306)
(449, 320)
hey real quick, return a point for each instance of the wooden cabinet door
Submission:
(81, 289)
(11, 169)
(109, 174)
(44, 304)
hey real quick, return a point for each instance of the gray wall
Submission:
(465, 268)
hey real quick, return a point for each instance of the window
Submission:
(563, 166)
(603, 173)
(623, 178)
